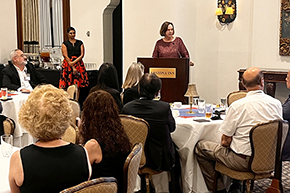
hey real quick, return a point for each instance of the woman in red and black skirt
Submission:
(73, 68)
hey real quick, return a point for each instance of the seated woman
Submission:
(108, 81)
(50, 164)
(130, 86)
(100, 121)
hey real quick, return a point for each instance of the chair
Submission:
(131, 167)
(72, 91)
(76, 111)
(8, 126)
(70, 134)
(235, 95)
(99, 185)
(137, 130)
(264, 141)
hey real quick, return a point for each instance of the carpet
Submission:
(261, 185)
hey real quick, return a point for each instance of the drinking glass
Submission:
(158, 97)
(208, 111)
(4, 93)
(6, 145)
(223, 103)
(201, 106)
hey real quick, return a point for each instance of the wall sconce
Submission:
(226, 11)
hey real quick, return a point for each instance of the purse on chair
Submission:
(276, 185)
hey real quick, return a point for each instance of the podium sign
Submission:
(174, 73)
(164, 72)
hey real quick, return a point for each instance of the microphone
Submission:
(180, 56)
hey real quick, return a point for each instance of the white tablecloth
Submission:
(186, 135)
(4, 172)
(10, 109)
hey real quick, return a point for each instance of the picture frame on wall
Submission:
(284, 47)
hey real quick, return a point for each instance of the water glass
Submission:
(4, 93)
(223, 103)
(6, 145)
(201, 106)
(208, 111)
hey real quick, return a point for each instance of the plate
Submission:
(6, 99)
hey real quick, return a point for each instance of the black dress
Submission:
(53, 169)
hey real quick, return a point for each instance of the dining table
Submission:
(4, 168)
(11, 107)
(191, 128)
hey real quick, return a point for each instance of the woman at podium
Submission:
(170, 46)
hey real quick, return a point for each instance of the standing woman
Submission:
(73, 68)
(170, 46)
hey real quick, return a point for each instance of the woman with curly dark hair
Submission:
(101, 122)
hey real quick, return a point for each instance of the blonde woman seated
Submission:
(130, 86)
(50, 164)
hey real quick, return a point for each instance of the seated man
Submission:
(159, 146)
(286, 116)
(20, 75)
(235, 150)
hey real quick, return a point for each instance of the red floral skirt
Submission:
(67, 77)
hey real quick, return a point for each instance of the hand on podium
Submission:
(191, 63)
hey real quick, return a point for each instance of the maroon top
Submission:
(174, 49)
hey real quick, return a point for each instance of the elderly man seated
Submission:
(20, 75)
(159, 146)
(234, 150)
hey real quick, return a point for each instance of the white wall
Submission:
(8, 34)
(88, 16)
(218, 52)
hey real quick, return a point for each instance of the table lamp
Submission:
(191, 92)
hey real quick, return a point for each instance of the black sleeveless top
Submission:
(53, 169)
(73, 49)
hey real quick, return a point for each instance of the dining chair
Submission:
(98, 185)
(131, 167)
(70, 134)
(76, 111)
(137, 130)
(72, 91)
(264, 140)
(235, 95)
(8, 125)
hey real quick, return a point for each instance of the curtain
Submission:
(45, 24)
(30, 20)
(57, 21)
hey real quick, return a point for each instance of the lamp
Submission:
(190, 93)
(226, 11)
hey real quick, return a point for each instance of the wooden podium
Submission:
(174, 73)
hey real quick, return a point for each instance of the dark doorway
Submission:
(118, 41)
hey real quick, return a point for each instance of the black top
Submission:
(130, 94)
(73, 49)
(111, 166)
(159, 148)
(53, 169)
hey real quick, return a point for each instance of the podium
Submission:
(174, 73)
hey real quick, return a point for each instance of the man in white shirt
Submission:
(20, 75)
(235, 150)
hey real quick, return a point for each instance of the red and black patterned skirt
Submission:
(67, 77)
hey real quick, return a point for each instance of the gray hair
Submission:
(13, 54)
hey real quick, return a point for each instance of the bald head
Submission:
(253, 79)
